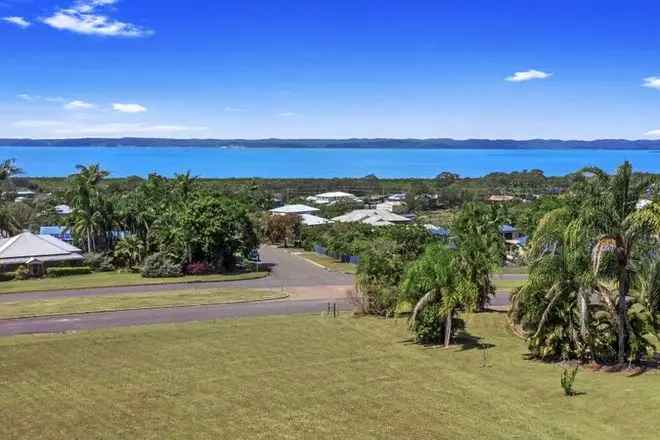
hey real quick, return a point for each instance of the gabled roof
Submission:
(372, 216)
(22, 247)
(336, 195)
(313, 220)
(294, 209)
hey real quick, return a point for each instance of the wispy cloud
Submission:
(84, 18)
(287, 114)
(528, 75)
(653, 133)
(129, 108)
(235, 109)
(27, 97)
(652, 82)
(32, 98)
(18, 21)
(78, 105)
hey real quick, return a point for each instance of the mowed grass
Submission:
(83, 304)
(330, 263)
(306, 377)
(113, 279)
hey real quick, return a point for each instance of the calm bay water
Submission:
(284, 162)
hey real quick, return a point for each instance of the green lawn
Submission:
(305, 377)
(329, 262)
(112, 279)
(63, 306)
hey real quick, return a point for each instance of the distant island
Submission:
(440, 143)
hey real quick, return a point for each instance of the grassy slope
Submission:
(304, 377)
(112, 279)
(62, 306)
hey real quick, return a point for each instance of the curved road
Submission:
(311, 289)
(310, 286)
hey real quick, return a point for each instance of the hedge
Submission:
(7, 276)
(56, 272)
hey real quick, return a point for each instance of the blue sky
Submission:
(295, 69)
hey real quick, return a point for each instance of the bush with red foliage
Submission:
(197, 268)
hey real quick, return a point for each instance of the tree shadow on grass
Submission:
(463, 341)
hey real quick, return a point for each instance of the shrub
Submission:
(7, 276)
(99, 262)
(568, 379)
(22, 273)
(197, 268)
(429, 328)
(160, 265)
(57, 272)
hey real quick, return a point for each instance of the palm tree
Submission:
(8, 169)
(647, 285)
(555, 300)
(609, 213)
(432, 282)
(480, 248)
(90, 212)
(130, 250)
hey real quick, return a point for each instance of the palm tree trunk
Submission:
(89, 242)
(448, 324)
(623, 316)
(584, 308)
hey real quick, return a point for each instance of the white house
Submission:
(294, 209)
(396, 207)
(313, 220)
(333, 197)
(373, 217)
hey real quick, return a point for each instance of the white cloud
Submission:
(18, 21)
(27, 97)
(129, 108)
(653, 133)
(652, 82)
(287, 114)
(528, 75)
(235, 109)
(83, 18)
(78, 105)
(127, 129)
(54, 99)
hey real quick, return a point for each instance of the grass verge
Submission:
(107, 303)
(114, 279)
(329, 262)
(306, 377)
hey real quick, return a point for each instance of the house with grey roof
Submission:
(29, 248)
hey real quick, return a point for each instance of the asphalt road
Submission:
(314, 287)
(289, 272)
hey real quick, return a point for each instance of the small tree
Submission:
(433, 283)
(283, 229)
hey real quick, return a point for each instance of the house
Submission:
(437, 231)
(313, 220)
(509, 232)
(294, 209)
(333, 197)
(497, 198)
(399, 197)
(36, 250)
(63, 209)
(396, 207)
(375, 217)
(59, 232)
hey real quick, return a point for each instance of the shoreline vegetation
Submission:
(359, 143)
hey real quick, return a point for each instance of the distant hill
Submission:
(342, 143)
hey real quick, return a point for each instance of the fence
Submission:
(321, 250)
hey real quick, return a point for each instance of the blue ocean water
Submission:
(296, 162)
